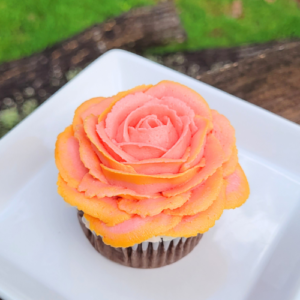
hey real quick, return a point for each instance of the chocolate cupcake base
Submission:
(144, 255)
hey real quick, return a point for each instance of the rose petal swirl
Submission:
(153, 160)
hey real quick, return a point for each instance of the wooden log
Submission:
(270, 80)
(195, 63)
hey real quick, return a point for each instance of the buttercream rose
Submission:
(154, 160)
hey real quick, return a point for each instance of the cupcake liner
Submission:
(146, 255)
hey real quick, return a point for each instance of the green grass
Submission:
(209, 23)
(28, 26)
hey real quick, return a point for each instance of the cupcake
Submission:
(149, 171)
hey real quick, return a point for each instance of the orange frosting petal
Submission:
(201, 222)
(197, 142)
(224, 132)
(114, 151)
(81, 109)
(179, 91)
(162, 165)
(177, 151)
(134, 231)
(88, 155)
(237, 189)
(148, 184)
(230, 165)
(93, 187)
(152, 207)
(214, 158)
(202, 196)
(67, 158)
(90, 129)
(119, 96)
(105, 209)
(158, 166)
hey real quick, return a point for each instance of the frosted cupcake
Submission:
(149, 170)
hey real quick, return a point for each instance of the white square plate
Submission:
(252, 252)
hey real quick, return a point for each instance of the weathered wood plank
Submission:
(270, 80)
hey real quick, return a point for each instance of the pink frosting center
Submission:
(141, 127)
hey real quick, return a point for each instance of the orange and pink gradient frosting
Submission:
(151, 161)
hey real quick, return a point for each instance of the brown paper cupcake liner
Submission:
(145, 255)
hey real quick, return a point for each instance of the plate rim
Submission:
(115, 53)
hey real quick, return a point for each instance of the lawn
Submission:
(29, 26)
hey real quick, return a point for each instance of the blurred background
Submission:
(45, 43)
(29, 26)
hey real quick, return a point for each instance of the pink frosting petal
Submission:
(237, 188)
(97, 109)
(149, 184)
(164, 136)
(145, 189)
(143, 123)
(183, 93)
(161, 111)
(161, 165)
(149, 122)
(152, 207)
(134, 231)
(181, 109)
(141, 151)
(77, 169)
(106, 209)
(67, 158)
(178, 150)
(214, 158)
(90, 130)
(121, 110)
(93, 187)
(197, 143)
(88, 155)
(116, 152)
(157, 166)
(202, 196)
(119, 135)
(224, 132)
